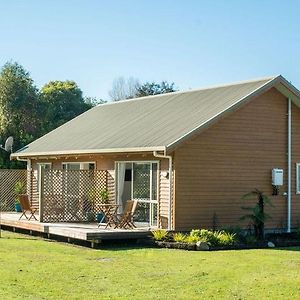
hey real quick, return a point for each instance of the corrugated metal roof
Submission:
(148, 123)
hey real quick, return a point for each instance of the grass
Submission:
(32, 268)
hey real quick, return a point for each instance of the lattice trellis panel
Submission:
(72, 195)
(8, 180)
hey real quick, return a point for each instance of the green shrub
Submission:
(179, 237)
(225, 238)
(205, 236)
(213, 238)
(250, 239)
(160, 235)
(190, 239)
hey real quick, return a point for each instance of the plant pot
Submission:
(18, 207)
(99, 217)
(90, 216)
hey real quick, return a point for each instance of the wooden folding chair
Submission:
(126, 219)
(26, 207)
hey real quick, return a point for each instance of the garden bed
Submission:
(193, 247)
(205, 240)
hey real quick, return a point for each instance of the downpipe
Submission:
(289, 164)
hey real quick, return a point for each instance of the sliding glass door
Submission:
(139, 181)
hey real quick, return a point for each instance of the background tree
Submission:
(93, 101)
(19, 109)
(154, 88)
(123, 88)
(62, 101)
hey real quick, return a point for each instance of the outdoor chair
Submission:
(125, 220)
(27, 208)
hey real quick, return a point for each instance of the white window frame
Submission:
(81, 163)
(297, 178)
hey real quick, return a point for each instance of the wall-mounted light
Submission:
(165, 174)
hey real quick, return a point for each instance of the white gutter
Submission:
(289, 164)
(26, 160)
(19, 155)
(169, 157)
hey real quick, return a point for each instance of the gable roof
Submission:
(150, 123)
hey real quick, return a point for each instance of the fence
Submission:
(73, 195)
(8, 180)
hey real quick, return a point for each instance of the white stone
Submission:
(202, 246)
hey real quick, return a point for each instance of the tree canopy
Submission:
(123, 89)
(62, 101)
(27, 113)
(154, 88)
(19, 108)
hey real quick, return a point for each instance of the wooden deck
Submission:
(76, 231)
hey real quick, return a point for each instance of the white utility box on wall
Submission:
(277, 177)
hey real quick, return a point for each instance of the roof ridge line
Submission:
(191, 90)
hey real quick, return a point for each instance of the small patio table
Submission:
(109, 213)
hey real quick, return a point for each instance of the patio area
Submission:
(70, 204)
(72, 231)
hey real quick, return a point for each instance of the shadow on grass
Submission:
(18, 238)
(290, 248)
(125, 245)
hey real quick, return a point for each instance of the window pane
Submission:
(154, 181)
(88, 166)
(91, 166)
(298, 179)
(141, 181)
(142, 212)
(71, 166)
(154, 214)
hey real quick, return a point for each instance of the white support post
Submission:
(41, 196)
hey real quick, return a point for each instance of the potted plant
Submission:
(20, 189)
(104, 196)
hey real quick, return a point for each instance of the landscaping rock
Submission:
(200, 246)
(271, 245)
(175, 245)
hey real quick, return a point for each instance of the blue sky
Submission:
(193, 43)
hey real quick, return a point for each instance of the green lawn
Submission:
(32, 268)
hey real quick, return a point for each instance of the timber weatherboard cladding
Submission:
(231, 158)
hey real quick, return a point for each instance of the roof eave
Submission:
(17, 155)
